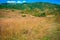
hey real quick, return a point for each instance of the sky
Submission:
(30, 1)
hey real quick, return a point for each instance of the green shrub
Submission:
(21, 12)
(43, 14)
(40, 14)
(23, 15)
(37, 15)
(12, 10)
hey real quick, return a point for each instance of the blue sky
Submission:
(29, 1)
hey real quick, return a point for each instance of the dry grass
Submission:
(27, 28)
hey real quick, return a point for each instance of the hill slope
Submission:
(39, 6)
(18, 23)
(36, 9)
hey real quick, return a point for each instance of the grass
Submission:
(37, 32)
(28, 29)
(24, 34)
(1, 16)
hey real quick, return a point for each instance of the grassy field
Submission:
(35, 21)
(17, 26)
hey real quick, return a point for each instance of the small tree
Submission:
(43, 15)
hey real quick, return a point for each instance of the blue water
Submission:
(30, 1)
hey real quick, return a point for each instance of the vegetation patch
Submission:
(1, 16)
(23, 15)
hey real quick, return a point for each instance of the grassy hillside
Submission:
(40, 5)
(30, 21)
(37, 9)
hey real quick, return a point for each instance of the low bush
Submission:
(23, 15)
(40, 15)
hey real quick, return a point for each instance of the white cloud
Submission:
(11, 1)
(24, 1)
(21, 1)
(16, 1)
